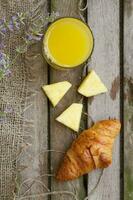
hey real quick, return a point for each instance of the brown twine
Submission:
(24, 196)
(35, 180)
(47, 194)
(80, 6)
(50, 193)
(82, 9)
(18, 196)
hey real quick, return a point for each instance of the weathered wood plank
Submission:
(103, 17)
(61, 137)
(128, 101)
(33, 164)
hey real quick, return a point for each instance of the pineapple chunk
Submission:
(71, 116)
(56, 91)
(92, 85)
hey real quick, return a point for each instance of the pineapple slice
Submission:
(92, 85)
(71, 116)
(56, 91)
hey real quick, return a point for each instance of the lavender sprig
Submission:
(4, 65)
(33, 33)
(14, 23)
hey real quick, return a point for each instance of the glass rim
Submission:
(74, 66)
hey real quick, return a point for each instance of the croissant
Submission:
(91, 150)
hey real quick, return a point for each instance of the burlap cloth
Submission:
(13, 93)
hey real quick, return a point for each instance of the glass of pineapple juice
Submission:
(68, 43)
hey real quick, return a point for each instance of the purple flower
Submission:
(11, 25)
(4, 65)
(8, 72)
(3, 30)
(36, 37)
(15, 22)
(2, 21)
(14, 18)
(29, 37)
(1, 56)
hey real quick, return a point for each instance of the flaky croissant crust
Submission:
(92, 149)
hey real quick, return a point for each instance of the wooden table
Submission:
(112, 24)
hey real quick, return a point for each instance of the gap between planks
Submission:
(121, 48)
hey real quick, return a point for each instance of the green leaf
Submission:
(21, 49)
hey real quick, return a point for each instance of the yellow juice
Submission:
(68, 43)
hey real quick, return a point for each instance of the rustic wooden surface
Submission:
(103, 17)
(35, 163)
(128, 101)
